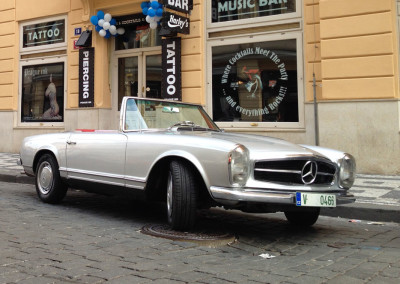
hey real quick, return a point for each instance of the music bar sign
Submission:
(171, 66)
(86, 77)
(174, 24)
(178, 5)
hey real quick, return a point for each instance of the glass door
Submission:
(152, 75)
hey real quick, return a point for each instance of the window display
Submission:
(255, 82)
(43, 93)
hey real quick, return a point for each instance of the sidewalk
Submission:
(378, 197)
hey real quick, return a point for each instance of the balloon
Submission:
(120, 31)
(157, 18)
(159, 12)
(106, 25)
(154, 5)
(149, 19)
(98, 28)
(107, 34)
(153, 25)
(101, 22)
(94, 20)
(143, 5)
(102, 33)
(113, 22)
(151, 12)
(145, 11)
(107, 17)
(113, 30)
(100, 15)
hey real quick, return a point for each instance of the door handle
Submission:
(69, 142)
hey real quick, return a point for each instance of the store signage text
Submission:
(44, 33)
(254, 79)
(178, 5)
(234, 5)
(86, 77)
(175, 23)
(171, 62)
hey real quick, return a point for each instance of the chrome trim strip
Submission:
(130, 178)
(96, 181)
(277, 171)
(95, 174)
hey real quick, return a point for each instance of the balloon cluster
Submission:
(105, 25)
(153, 11)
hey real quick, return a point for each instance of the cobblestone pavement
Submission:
(97, 239)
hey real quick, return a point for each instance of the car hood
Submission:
(260, 147)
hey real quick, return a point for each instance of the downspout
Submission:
(315, 111)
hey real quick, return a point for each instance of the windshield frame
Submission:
(211, 125)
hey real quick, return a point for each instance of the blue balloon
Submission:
(145, 11)
(159, 12)
(94, 20)
(100, 15)
(98, 28)
(151, 12)
(154, 5)
(113, 22)
(108, 34)
(143, 5)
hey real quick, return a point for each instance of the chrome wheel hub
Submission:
(45, 178)
(169, 196)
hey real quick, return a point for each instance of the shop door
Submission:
(136, 74)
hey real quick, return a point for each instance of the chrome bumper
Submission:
(252, 195)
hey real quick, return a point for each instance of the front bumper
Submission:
(229, 195)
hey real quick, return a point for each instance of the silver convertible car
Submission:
(174, 152)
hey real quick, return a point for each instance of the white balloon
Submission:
(120, 31)
(149, 19)
(153, 25)
(106, 25)
(113, 30)
(101, 22)
(157, 18)
(102, 33)
(107, 17)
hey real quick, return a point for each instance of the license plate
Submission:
(315, 199)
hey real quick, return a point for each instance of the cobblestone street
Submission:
(96, 239)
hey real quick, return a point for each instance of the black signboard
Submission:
(131, 20)
(86, 77)
(178, 5)
(171, 69)
(45, 33)
(171, 24)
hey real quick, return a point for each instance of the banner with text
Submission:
(86, 77)
(171, 69)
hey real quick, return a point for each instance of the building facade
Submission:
(309, 71)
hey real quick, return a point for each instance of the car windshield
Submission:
(141, 114)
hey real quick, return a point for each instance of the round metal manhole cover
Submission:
(199, 237)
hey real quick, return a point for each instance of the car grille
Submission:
(295, 171)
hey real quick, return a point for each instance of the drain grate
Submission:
(199, 237)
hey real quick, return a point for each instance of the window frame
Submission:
(252, 22)
(260, 126)
(41, 61)
(43, 48)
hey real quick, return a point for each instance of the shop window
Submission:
(256, 83)
(42, 93)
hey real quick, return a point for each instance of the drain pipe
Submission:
(315, 111)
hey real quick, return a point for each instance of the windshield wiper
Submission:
(191, 125)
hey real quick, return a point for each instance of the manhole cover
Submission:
(199, 237)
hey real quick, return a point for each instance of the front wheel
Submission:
(182, 195)
(49, 186)
(303, 218)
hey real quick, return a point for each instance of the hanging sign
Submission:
(86, 77)
(178, 5)
(45, 33)
(171, 66)
(175, 24)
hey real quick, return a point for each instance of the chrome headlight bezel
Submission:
(347, 171)
(239, 166)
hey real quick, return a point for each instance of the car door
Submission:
(97, 156)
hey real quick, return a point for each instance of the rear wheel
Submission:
(49, 186)
(303, 218)
(182, 195)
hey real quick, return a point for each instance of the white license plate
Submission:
(315, 199)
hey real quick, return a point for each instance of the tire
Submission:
(49, 186)
(182, 195)
(303, 218)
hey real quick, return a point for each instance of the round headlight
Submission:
(347, 172)
(239, 166)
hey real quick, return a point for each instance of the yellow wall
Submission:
(352, 47)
